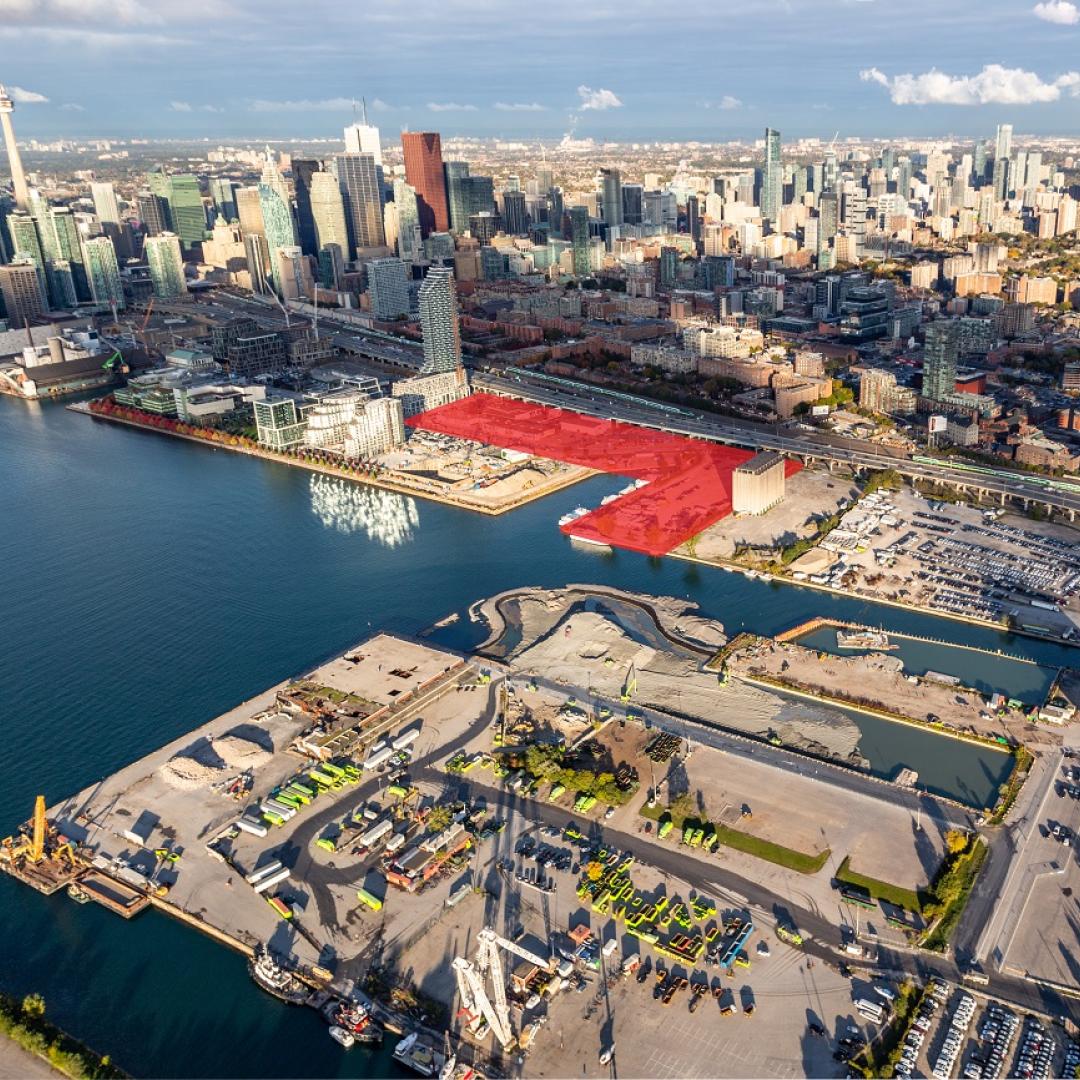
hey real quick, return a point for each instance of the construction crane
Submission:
(472, 975)
(38, 843)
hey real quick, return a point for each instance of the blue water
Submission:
(150, 584)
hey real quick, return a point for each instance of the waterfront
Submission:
(152, 584)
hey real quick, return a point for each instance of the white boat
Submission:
(346, 1038)
(863, 638)
(418, 1056)
(581, 511)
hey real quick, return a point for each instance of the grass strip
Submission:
(953, 890)
(908, 899)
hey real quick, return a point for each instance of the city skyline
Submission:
(919, 71)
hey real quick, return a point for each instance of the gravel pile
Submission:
(240, 753)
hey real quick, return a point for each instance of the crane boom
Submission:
(37, 845)
(512, 947)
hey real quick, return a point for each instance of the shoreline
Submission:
(396, 486)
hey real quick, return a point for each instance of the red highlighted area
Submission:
(688, 481)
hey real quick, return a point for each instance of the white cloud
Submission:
(520, 106)
(338, 104)
(70, 106)
(449, 106)
(598, 99)
(378, 105)
(211, 108)
(994, 85)
(729, 101)
(22, 96)
(179, 106)
(1057, 11)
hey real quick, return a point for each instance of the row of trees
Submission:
(548, 763)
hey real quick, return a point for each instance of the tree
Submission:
(956, 841)
(33, 1005)
(439, 818)
(594, 870)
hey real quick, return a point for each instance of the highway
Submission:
(591, 401)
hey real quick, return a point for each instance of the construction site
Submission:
(493, 855)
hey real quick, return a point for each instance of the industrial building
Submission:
(758, 484)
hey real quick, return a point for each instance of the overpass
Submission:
(830, 451)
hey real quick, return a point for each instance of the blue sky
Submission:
(620, 69)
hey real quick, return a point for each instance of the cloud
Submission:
(70, 106)
(179, 106)
(449, 106)
(598, 99)
(211, 108)
(1057, 11)
(729, 101)
(378, 105)
(520, 106)
(22, 96)
(338, 104)
(994, 85)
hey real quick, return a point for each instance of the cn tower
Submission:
(18, 177)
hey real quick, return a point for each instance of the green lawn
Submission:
(882, 890)
(798, 861)
(953, 890)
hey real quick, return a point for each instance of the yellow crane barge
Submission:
(39, 855)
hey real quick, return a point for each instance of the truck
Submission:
(263, 871)
(377, 758)
(406, 738)
(872, 1010)
(369, 899)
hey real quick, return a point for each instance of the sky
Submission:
(627, 70)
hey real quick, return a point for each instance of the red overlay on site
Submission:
(688, 481)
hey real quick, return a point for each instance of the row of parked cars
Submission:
(936, 993)
(1035, 1057)
(997, 1031)
(954, 1036)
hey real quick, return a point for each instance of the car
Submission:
(609, 813)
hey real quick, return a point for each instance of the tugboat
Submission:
(864, 638)
(418, 1056)
(275, 979)
(353, 1018)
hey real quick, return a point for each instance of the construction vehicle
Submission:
(39, 855)
(471, 977)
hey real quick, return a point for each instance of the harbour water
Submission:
(150, 584)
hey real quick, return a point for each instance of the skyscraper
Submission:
(18, 177)
(153, 212)
(424, 172)
(21, 290)
(457, 194)
(278, 222)
(939, 359)
(772, 186)
(166, 265)
(579, 239)
(611, 196)
(632, 203)
(328, 212)
(103, 275)
(828, 219)
(388, 289)
(362, 197)
(65, 244)
(363, 138)
(105, 204)
(187, 216)
(515, 219)
(408, 220)
(1003, 141)
(439, 321)
(303, 171)
(249, 211)
(223, 192)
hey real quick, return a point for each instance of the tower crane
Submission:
(471, 976)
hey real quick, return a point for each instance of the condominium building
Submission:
(166, 265)
(439, 322)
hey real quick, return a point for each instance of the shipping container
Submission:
(263, 871)
(251, 825)
(405, 738)
(379, 757)
(280, 906)
(376, 832)
(372, 902)
(275, 878)
(395, 843)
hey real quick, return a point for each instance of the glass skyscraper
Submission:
(439, 322)
(102, 272)
(772, 183)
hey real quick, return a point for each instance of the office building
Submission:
(669, 267)
(408, 221)
(153, 212)
(424, 172)
(328, 211)
(61, 243)
(249, 211)
(303, 170)
(1003, 141)
(102, 272)
(280, 231)
(388, 289)
(611, 205)
(257, 352)
(939, 360)
(166, 264)
(25, 241)
(223, 194)
(363, 138)
(758, 484)
(515, 218)
(186, 214)
(457, 194)
(362, 197)
(105, 205)
(332, 265)
(827, 224)
(20, 288)
(633, 204)
(772, 181)
(292, 273)
(439, 322)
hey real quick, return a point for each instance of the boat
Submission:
(566, 519)
(78, 894)
(342, 1036)
(864, 638)
(575, 539)
(275, 979)
(354, 1018)
(418, 1056)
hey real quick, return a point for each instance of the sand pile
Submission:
(187, 774)
(240, 753)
